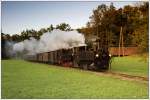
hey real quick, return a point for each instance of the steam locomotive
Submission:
(79, 57)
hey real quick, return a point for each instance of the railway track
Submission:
(122, 76)
(126, 76)
(118, 75)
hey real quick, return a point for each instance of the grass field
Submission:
(132, 65)
(22, 79)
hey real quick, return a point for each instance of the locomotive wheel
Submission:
(75, 64)
(85, 66)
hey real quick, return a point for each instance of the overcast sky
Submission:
(18, 16)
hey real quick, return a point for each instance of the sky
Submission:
(18, 16)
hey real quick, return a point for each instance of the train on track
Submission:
(79, 57)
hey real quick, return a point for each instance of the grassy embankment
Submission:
(132, 65)
(22, 79)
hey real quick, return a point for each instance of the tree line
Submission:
(26, 34)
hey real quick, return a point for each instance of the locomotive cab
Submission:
(83, 57)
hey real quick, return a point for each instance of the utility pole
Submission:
(120, 38)
(121, 45)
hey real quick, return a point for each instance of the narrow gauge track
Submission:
(115, 74)
(127, 76)
(121, 75)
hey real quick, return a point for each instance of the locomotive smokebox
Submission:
(102, 57)
(101, 61)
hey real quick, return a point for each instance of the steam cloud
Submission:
(50, 41)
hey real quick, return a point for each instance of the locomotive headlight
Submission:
(109, 55)
(97, 55)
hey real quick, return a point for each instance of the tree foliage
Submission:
(63, 27)
(106, 21)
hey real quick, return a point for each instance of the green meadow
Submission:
(22, 79)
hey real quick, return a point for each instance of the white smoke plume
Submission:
(50, 41)
(9, 48)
